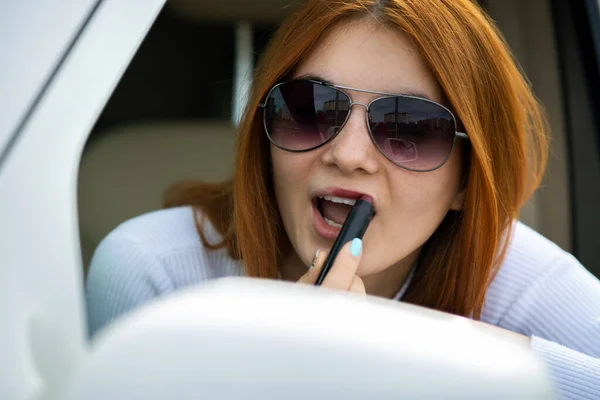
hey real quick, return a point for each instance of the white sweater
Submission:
(540, 291)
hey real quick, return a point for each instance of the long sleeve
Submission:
(560, 311)
(123, 276)
(149, 257)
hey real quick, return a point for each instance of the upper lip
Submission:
(345, 193)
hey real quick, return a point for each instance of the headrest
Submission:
(125, 171)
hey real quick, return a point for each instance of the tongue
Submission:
(335, 212)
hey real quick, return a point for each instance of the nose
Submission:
(352, 149)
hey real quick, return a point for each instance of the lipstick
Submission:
(355, 226)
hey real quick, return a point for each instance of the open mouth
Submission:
(334, 210)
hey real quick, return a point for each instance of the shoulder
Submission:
(170, 238)
(530, 259)
(542, 290)
(163, 231)
(531, 254)
(149, 256)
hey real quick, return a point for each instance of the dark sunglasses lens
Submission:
(413, 133)
(301, 115)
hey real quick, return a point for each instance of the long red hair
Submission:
(494, 103)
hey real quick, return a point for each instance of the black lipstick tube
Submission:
(355, 226)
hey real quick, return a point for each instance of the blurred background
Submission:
(173, 115)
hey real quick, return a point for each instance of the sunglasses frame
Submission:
(383, 95)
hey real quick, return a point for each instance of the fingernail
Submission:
(356, 247)
(314, 260)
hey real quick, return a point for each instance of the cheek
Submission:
(284, 174)
(290, 175)
(425, 197)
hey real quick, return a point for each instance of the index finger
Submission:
(344, 268)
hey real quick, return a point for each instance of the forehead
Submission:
(367, 55)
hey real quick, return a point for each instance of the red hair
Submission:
(507, 152)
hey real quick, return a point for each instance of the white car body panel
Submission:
(41, 281)
(33, 40)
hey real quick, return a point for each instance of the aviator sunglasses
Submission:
(414, 133)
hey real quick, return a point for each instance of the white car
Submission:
(62, 60)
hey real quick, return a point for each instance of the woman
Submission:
(416, 106)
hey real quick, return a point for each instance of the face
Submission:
(409, 205)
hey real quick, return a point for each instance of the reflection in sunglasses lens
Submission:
(414, 133)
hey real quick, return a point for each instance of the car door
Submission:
(61, 60)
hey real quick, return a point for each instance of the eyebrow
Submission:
(408, 92)
(313, 77)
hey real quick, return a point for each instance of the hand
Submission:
(342, 275)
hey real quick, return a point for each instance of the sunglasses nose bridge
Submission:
(358, 103)
(366, 106)
(360, 120)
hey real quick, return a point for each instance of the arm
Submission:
(560, 311)
(123, 275)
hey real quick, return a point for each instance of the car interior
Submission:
(172, 116)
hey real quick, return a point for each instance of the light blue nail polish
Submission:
(356, 247)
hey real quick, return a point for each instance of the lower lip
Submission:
(321, 227)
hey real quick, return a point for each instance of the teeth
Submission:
(341, 200)
(331, 223)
